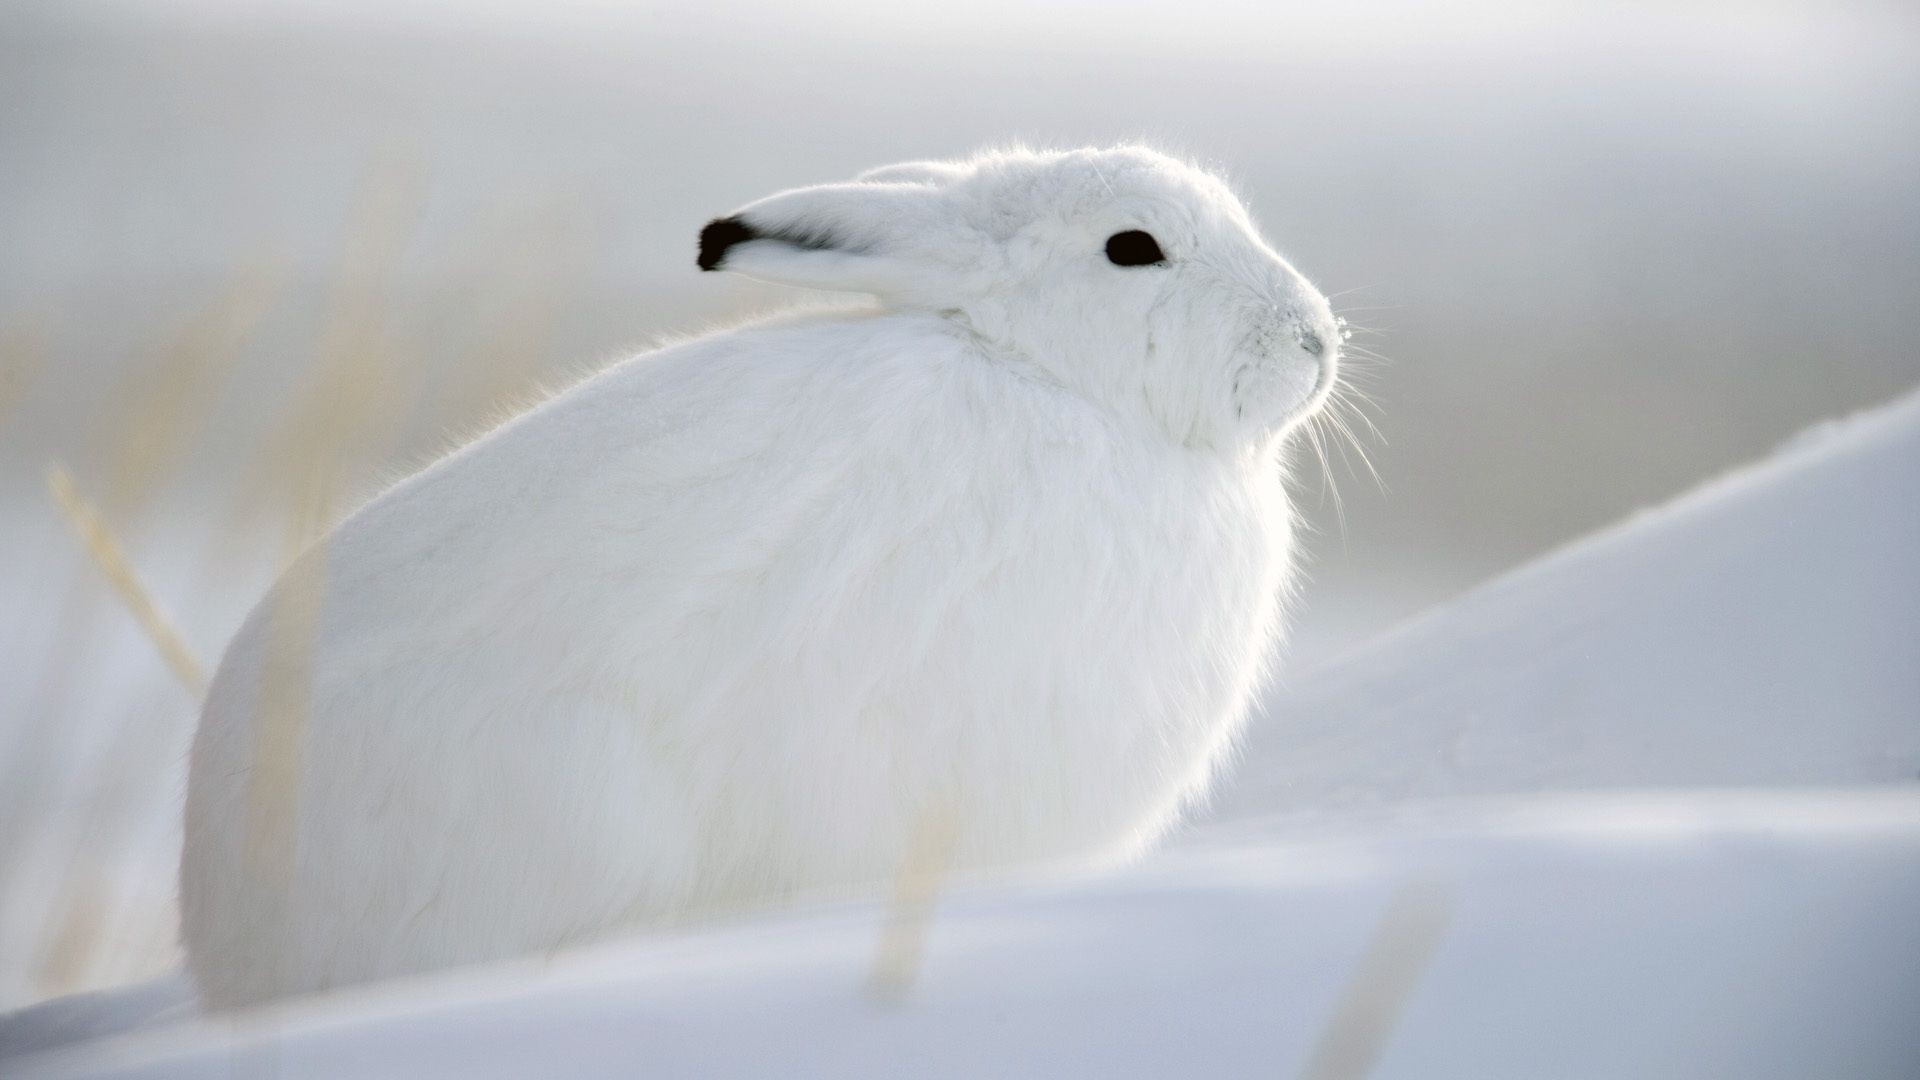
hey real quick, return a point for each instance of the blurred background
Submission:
(255, 259)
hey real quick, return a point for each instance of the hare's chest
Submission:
(1083, 679)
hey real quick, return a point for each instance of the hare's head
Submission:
(1130, 278)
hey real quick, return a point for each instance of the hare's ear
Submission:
(899, 240)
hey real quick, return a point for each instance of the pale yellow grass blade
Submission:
(168, 403)
(903, 938)
(114, 564)
(1402, 948)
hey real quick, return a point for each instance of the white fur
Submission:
(721, 623)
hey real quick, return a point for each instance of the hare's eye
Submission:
(1133, 248)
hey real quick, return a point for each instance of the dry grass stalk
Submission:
(286, 682)
(107, 932)
(342, 421)
(1402, 947)
(523, 309)
(28, 787)
(88, 900)
(165, 405)
(916, 887)
(71, 949)
(344, 418)
(346, 414)
(112, 561)
(168, 402)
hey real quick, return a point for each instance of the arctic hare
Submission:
(722, 623)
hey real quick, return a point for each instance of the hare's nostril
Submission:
(1309, 341)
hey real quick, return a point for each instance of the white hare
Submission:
(724, 622)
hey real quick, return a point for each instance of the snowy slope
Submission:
(1642, 936)
(1763, 630)
(1758, 634)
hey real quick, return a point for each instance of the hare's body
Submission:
(936, 590)
(733, 621)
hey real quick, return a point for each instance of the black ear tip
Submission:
(720, 235)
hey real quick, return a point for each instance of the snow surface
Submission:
(1750, 648)
(1625, 936)
(1763, 630)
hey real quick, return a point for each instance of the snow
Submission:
(1646, 807)
(1608, 936)
(1760, 631)
(79, 1018)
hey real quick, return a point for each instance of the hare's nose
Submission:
(1310, 333)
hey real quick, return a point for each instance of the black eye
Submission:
(1133, 248)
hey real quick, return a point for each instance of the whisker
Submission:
(1339, 423)
(1351, 351)
(1355, 400)
(1330, 489)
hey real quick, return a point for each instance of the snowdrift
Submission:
(1401, 877)
(1753, 936)
(1764, 630)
